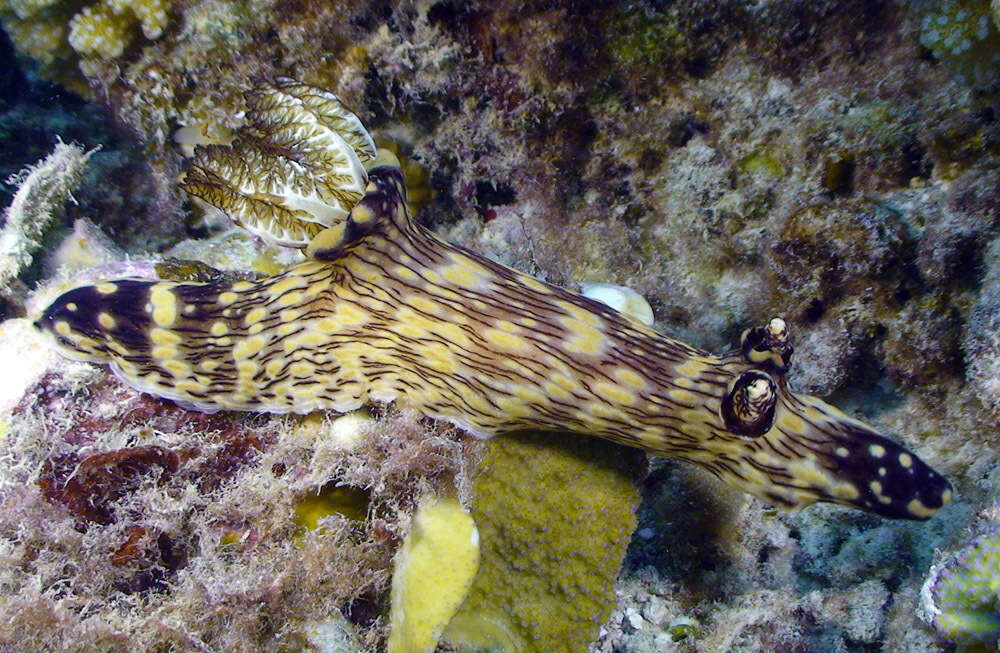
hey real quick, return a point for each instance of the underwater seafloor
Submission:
(833, 163)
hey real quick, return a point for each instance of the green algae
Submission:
(762, 163)
(555, 514)
(647, 41)
(177, 269)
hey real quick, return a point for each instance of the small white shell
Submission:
(622, 299)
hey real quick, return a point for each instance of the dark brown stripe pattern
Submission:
(393, 313)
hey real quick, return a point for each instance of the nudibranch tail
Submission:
(387, 311)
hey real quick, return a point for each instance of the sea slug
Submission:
(384, 310)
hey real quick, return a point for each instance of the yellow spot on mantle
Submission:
(792, 423)
(283, 286)
(583, 338)
(534, 284)
(249, 347)
(613, 393)
(422, 304)
(504, 339)
(164, 337)
(274, 367)
(190, 386)
(404, 273)
(693, 368)
(453, 334)
(254, 316)
(164, 305)
(438, 357)
(461, 275)
(508, 326)
(918, 509)
(820, 479)
(681, 396)
(556, 391)
(344, 315)
(178, 369)
(164, 353)
(630, 378)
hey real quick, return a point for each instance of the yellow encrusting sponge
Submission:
(433, 572)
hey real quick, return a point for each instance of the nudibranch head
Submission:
(792, 450)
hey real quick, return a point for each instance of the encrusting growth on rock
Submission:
(43, 190)
(555, 517)
(384, 310)
(961, 595)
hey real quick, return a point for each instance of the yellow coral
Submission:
(96, 30)
(27, 8)
(151, 14)
(42, 41)
(332, 499)
(51, 32)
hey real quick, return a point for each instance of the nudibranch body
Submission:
(386, 311)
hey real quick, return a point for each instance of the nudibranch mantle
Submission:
(386, 311)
